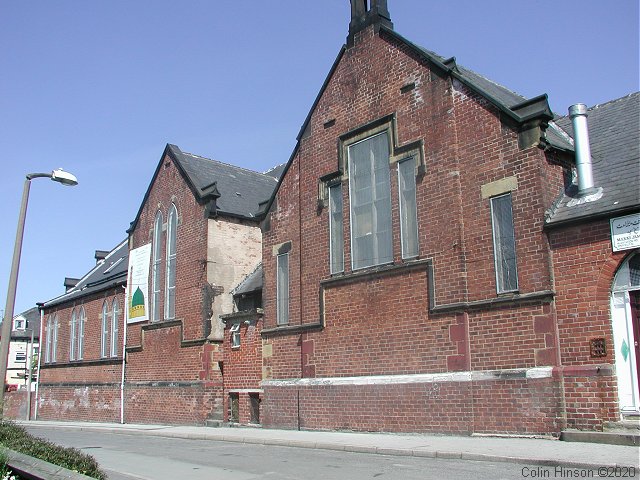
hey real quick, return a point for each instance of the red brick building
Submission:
(195, 237)
(413, 256)
(594, 239)
(81, 349)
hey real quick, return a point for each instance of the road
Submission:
(144, 457)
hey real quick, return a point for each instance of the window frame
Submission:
(172, 240)
(406, 256)
(54, 349)
(73, 335)
(48, 338)
(280, 321)
(82, 319)
(235, 335)
(352, 216)
(104, 337)
(115, 313)
(498, 250)
(156, 267)
(339, 238)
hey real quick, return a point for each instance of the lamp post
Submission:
(60, 176)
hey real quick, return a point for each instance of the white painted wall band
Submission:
(448, 377)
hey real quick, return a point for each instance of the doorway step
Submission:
(624, 432)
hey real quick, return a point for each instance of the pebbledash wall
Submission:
(426, 344)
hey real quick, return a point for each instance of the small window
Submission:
(235, 335)
(336, 250)
(504, 244)
(283, 289)
(21, 357)
(19, 323)
(408, 209)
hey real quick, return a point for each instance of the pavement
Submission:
(526, 450)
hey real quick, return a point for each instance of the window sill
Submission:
(84, 363)
(289, 329)
(377, 271)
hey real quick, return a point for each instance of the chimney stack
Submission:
(578, 115)
(101, 255)
(365, 13)
(69, 283)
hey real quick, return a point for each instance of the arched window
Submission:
(104, 340)
(628, 276)
(170, 281)
(157, 267)
(73, 335)
(115, 312)
(54, 341)
(81, 321)
(49, 337)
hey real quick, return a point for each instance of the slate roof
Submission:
(241, 190)
(238, 191)
(251, 283)
(108, 273)
(614, 135)
(276, 172)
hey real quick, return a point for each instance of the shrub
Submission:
(17, 438)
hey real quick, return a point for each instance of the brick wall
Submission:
(380, 324)
(88, 389)
(585, 267)
(170, 376)
(243, 370)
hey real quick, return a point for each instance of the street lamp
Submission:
(60, 176)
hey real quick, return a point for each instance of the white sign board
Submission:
(625, 232)
(138, 284)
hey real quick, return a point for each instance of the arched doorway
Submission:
(625, 313)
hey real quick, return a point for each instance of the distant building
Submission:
(22, 352)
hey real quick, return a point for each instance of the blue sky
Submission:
(100, 87)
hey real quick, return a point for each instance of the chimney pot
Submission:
(578, 115)
(101, 255)
(69, 283)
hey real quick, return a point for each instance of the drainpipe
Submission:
(578, 115)
(124, 351)
(41, 307)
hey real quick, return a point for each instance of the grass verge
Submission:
(17, 438)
